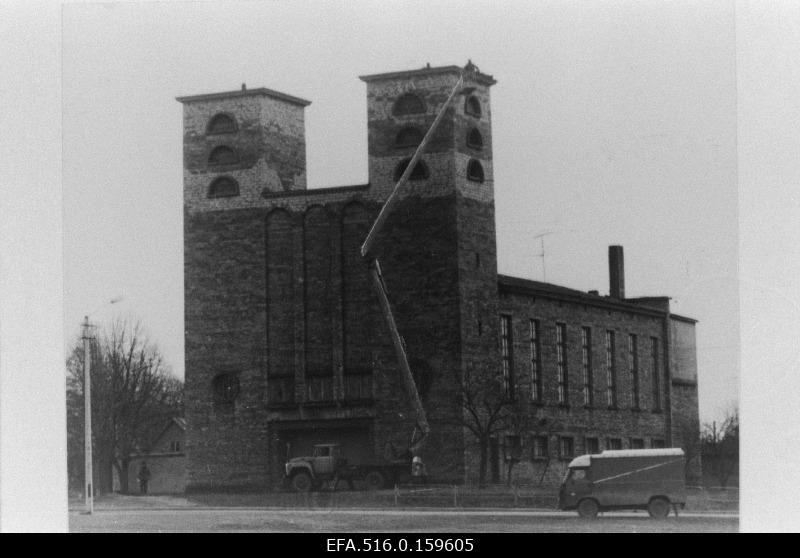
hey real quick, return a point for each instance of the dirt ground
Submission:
(416, 509)
(387, 521)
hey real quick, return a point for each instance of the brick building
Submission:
(285, 342)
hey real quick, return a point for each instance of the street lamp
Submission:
(87, 408)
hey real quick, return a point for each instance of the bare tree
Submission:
(133, 393)
(720, 446)
(485, 411)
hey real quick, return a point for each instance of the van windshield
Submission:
(576, 474)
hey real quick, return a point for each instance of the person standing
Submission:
(144, 477)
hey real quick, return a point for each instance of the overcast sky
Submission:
(613, 123)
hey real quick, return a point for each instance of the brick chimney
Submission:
(616, 272)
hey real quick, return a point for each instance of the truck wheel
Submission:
(588, 508)
(301, 482)
(658, 508)
(375, 480)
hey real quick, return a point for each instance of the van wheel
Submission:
(588, 508)
(301, 482)
(658, 508)
(375, 480)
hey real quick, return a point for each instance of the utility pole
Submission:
(87, 405)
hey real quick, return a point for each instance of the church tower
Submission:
(438, 250)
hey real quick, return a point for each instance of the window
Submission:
(563, 373)
(420, 171)
(408, 104)
(475, 171)
(656, 373)
(637, 443)
(586, 362)
(633, 361)
(474, 139)
(656, 443)
(223, 187)
(539, 448)
(226, 388)
(175, 446)
(506, 352)
(614, 443)
(472, 106)
(512, 448)
(592, 445)
(222, 155)
(611, 369)
(536, 367)
(566, 447)
(358, 385)
(408, 137)
(221, 124)
(280, 389)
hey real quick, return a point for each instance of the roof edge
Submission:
(481, 78)
(260, 91)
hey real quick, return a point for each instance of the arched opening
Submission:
(223, 187)
(222, 155)
(408, 103)
(221, 124)
(472, 106)
(226, 388)
(408, 137)
(475, 139)
(475, 171)
(420, 171)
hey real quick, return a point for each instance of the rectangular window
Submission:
(656, 443)
(175, 447)
(280, 389)
(586, 350)
(656, 373)
(566, 447)
(611, 369)
(536, 367)
(637, 443)
(592, 445)
(539, 449)
(563, 373)
(507, 355)
(614, 443)
(633, 362)
(512, 448)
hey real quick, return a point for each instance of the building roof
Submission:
(260, 91)
(269, 194)
(518, 285)
(481, 78)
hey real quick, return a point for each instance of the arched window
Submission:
(474, 171)
(475, 139)
(226, 388)
(472, 106)
(408, 104)
(420, 171)
(221, 124)
(408, 137)
(223, 187)
(222, 155)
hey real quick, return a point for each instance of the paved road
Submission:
(404, 521)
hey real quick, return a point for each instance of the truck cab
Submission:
(304, 473)
(651, 480)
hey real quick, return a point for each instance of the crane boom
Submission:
(399, 347)
(377, 277)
